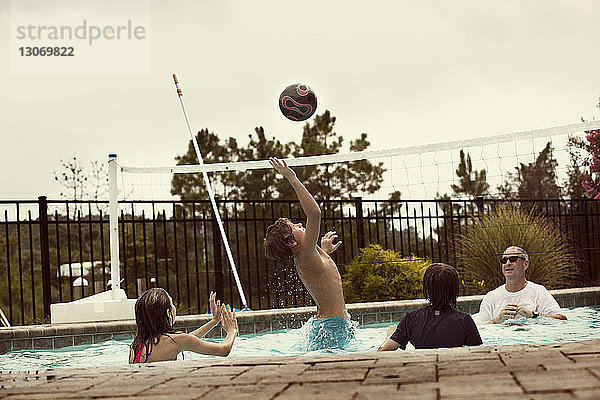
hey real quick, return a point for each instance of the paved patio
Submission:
(542, 371)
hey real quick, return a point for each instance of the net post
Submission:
(360, 228)
(217, 253)
(45, 254)
(115, 273)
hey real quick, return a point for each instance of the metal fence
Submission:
(57, 251)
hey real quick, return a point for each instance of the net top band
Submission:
(371, 154)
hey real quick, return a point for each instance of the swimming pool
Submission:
(583, 324)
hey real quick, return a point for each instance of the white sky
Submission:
(405, 72)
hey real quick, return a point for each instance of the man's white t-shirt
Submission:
(533, 297)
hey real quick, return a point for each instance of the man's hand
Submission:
(509, 311)
(524, 312)
(215, 307)
(327, 242)
(281, 167)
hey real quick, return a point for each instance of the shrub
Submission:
(378, 275)
(480, 247)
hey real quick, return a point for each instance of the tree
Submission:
(584, 171)
(73, 178)
(323, 181)
(79, 182)
(471, 182)
(578, 171)
(536, 180)
(592, 183)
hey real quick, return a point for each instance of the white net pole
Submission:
(212, 198)
(115, 273)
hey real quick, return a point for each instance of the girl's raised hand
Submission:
(215, 306)
(228, 319)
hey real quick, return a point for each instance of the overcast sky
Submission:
(405, 72)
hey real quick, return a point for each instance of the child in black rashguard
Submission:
(439, 324)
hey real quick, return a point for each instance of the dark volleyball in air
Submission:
(297, 102)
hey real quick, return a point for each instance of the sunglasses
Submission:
(512, 259)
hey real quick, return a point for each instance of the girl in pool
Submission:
(439, 324)
(156, 340)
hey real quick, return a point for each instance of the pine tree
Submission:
(536, 180)
(471, 183)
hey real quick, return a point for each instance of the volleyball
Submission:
(297, 102)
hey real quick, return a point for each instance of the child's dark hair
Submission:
(278, 240)
(151, 319)
(440, 286)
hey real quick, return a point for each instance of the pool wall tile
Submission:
(262, 326)
(63, 341)
(123, 336)
(5, 345)
(83, 339)
(245, 329)
(22, 344)
(369, 318)
(278, 324)
(214, 333)
(43, 343)
(384, 317)
(102, 337)
(397, 316)
(295, 324)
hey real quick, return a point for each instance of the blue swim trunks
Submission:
(327, 333)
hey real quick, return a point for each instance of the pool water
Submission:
(583, 324)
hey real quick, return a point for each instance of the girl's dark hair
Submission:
(278, 240)
(440, 286)
(151, 319)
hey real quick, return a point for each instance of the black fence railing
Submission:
(57, 251)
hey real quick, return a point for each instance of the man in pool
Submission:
(332, 327)
(517, 297)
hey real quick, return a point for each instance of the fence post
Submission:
(217, 254)
(360, 228)
(479, 203)
(45, 253)
(590, 271)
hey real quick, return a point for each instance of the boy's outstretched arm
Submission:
(307, 201)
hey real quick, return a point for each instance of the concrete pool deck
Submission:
(550, 371)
